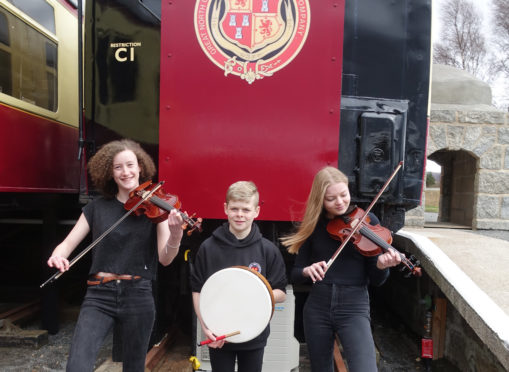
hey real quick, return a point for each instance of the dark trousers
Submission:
(343, 310)
(247, 360)
(130, 305)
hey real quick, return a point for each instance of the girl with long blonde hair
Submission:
(338, 303)
(323, 179)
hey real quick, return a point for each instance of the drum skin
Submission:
(236, 299)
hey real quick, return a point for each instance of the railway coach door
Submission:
(250, 89)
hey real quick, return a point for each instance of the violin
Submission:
(370, 240)
(158, 204)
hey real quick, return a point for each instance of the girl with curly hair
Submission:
(338, 302)
(124, 262)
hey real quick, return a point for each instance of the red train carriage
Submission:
(269, 91)
(39, 114)
(271, 95)
(216, 91)
(38, 98)
(254, 97)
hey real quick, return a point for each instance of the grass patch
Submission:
(430, 208)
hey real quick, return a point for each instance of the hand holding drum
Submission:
(236, 299)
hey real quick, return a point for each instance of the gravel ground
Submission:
(399, 351)
(51, 357)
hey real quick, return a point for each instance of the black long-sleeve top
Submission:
(349, 268)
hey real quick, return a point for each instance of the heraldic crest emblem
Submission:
(251, 38)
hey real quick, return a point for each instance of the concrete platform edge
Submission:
(485, 317)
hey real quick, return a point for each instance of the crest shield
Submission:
(251, 38)
(252, 24)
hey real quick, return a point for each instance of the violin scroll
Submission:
(194, 224)
(411, 267)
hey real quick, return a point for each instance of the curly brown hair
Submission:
(100, 165)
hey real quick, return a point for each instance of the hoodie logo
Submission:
(255, 266)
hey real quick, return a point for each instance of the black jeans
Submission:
(343, 310)
(128, 303)
(247, 360)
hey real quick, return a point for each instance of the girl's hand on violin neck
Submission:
(59, 263)
(315, 271)
(175, 223)
(388, 259)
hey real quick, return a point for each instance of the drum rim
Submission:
(265, 281)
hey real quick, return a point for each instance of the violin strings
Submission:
(382, 243)
(164, 205)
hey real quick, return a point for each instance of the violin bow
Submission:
(359, 223)
(144, 197)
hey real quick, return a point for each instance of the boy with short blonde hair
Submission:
(238, 242)
(243, 191)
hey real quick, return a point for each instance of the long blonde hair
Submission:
(314, 206)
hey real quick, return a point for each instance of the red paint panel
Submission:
(38, 155)
(277, 131)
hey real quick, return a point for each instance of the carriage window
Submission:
(39, 10)
(5, 57)
(51, 75)
(28, 63)
(52, 93)
(4, 29)
(5, 72)
(51, 55)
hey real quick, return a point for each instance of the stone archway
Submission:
(457, 186)
(470, 138)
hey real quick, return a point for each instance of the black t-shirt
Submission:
(130, 248)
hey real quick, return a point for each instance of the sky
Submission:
(431, 166)
(498, 87)
(484, 7)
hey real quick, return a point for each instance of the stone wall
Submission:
(469, 138)
(482, 134)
